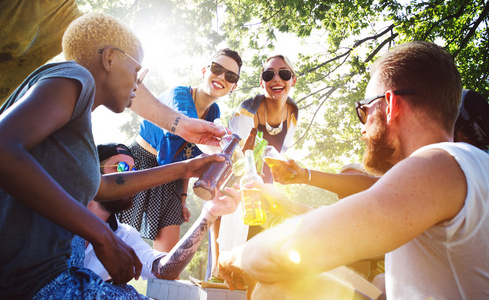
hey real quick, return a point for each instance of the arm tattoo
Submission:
(170, 266)
(120, 180)
(174, 127)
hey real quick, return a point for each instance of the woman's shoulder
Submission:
(175, 94)
(252, 103)
(295, 108)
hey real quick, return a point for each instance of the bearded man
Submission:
(428, 213)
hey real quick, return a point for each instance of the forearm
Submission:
(287, 208)
(184, 190)
(118, 185)
(342, 184)
(170, 266)
(30, 184)
(319, 241)
(150, 108)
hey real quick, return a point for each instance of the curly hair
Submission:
(430, 71)
(94, 31)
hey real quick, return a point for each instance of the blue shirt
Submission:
(166, 144)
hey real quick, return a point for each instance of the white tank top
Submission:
(450, 260)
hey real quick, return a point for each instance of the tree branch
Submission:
(455, 15)
(388, 40)
(466, 39)
(326, 97)
(357, 43)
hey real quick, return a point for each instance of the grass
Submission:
(140, 285)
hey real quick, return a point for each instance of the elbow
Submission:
(167, 276)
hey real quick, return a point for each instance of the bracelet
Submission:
(309, 171)
(185, 194)
(209, 212)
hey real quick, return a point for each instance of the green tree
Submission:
(338, 40)
(343, 39)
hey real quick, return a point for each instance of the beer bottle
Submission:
(238, 165)
(213, 178)
(253, 214)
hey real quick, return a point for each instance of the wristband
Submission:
(185, 194)
(215, 218)
(309, 171)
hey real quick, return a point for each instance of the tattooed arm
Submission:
(170, 266)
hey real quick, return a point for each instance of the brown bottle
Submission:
(249, 144)
(213, 178)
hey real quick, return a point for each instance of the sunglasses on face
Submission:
(362, 110)
(268, 75)
(121, 167)
(141, 75)
(217, 70)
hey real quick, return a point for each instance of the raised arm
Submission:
(418, 193)
(192, 130)
(118, 185)
(342, 184)
(171, 265)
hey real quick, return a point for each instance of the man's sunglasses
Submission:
(121, 167)
(362, 111)
(217, 70)
(269, 74)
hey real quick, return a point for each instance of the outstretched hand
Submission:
(119, 259)
(292, 166)
(199, 131)
(223, 204)
(268, 191)
(197, 166)
(231, 271)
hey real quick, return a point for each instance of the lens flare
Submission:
(295, 257)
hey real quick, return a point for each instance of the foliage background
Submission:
(331, 42)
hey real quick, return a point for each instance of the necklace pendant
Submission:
(273, 131)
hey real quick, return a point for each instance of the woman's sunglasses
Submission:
(121, 167)
(269, 74)
(217, 70)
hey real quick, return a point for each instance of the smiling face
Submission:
(216, 85)
(277, 88)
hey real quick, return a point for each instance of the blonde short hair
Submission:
(285, 59)
(93, 31)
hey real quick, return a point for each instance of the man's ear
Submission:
(393, 106)
(107, 58)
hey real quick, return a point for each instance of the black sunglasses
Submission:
(269, 74)
(230, 76)
(362, 112)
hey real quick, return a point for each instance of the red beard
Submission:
(379, 152)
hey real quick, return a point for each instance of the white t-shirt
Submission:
(131, 237)
(449, 260)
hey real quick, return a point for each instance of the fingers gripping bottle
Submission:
(253, 214)
(213, 178)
